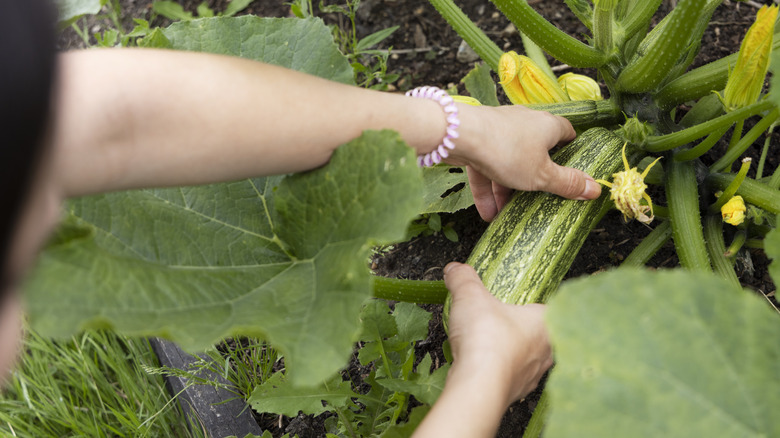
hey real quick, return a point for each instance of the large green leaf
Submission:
(300, 44)
(277, 396)
(447, 190)
(284, 259)
(772, 248)
(649, 354)
(71, 10)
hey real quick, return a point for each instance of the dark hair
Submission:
(26, 80)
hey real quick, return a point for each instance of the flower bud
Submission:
(627, 190)
(524, 82)
(635, 131)
(580, 87)
(747, 78)
(466, 99)
(733, 212)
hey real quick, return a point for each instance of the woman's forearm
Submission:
(148, 118)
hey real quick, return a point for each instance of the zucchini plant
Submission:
(526, 251)
(288, 259)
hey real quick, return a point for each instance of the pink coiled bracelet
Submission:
(453, 122)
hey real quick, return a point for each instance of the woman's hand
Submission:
(500, 352)
(507, 148)
(490, 337)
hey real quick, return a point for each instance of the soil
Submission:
(425, 51)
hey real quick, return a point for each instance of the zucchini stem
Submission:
(473, 35)
(649, 245)
(683, 198)
(713, 230)
(733, 186)
(410, 291)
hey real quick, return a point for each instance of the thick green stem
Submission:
(733, 186)
(536, 424)
(474, 37)
(670, 141)
(752, 191)
(683, 198)
(713, 231)
(739, 240)
(740, 147)
(736, 134)
(646, 72)
(639, 17)
(583, 11)
(557, 43)
(701, 148)
(649, 245)
(764, 151)
(410, 291)
(602, 25)
(585, 113)
(700, 81)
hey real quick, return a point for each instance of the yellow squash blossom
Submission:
(580, 87)
(524, 82)
(747, 78)
(627, 189)
(733, 212)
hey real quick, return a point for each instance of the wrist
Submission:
(471, 136)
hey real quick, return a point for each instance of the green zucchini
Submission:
(526, 251)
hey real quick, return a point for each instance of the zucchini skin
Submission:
(526, 251)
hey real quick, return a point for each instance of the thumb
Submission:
(463, 282)
(572, 183)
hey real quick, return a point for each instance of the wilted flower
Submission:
(747, 77)
(627, 189)
(580, 87)
(524, 82)
(733, 212)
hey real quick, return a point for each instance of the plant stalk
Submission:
(410, 291)
(639, 17)
(552, 40)
(753, 192)
(733, 186)
(739, 241)
(666, 142)
(649, 245)
(533, 51)
(536, 424)
(713, 231)
(701, 148)
(473, 35)
(584, 113)
(683, 198)
(700, 81)
(645, 73)
(764, 151)
(602, 24)
(733, 153)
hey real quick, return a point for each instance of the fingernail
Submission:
(450, 266)
(592, 190)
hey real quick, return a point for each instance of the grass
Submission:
(91, 386)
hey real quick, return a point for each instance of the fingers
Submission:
(482, 191)
(463, 282)
(565, 130)
(570, 183)
(502, 195)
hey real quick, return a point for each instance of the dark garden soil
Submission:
(425, 51)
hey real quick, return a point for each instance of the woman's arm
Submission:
(500, 352)
(130, 118)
